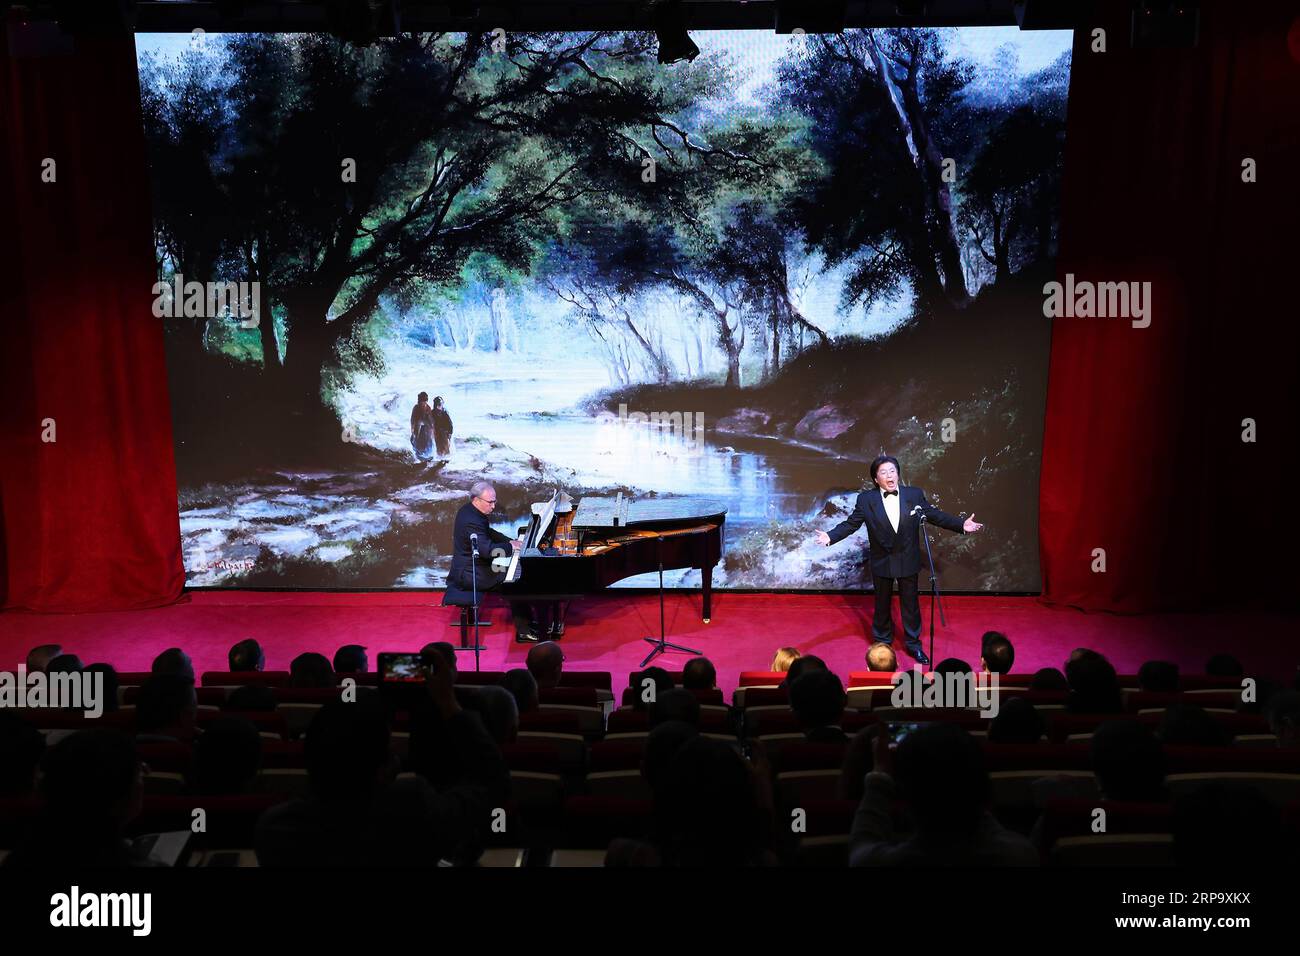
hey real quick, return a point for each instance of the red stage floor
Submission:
(605, 632)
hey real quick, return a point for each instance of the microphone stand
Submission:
(661, 644)
(934, 588)
(473, 581)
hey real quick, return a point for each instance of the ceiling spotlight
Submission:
(675, 42)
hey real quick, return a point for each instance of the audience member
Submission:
(523, 687)
(21, 749)
(709, 810)
(1226, 828)
(446, 651)
(1128, 761)
(997, 653)
(1048, 679)
(881, 657)
(678, 705)
(496, 707)
(1018, 722)
(783, 658)
(801, 666)
(1224, 665)
(699, 674)
(818, 699)
(166, 709)
(39, 657)
(227, 756)
(311, 670)
(359, 815)
(174, 661)
(65, 664)
(109, 684)
(938, 772)
(1094, 686)
(545, 662)
(1188, 725)
(952, 665)
(246, 656)
(642, 694)
(350, 659)
(91, 789)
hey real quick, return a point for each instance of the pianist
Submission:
(475, 544)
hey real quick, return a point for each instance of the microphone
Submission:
(473, 537)
(915, 511)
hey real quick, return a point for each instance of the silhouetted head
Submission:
(659, 678)
(174, 661)
(817, 699)
(39, 657)
(245, 656)
(1094, 686)
(350, 659)
(677, 705)
(522, 687)
(311, 670)
(699, 674)
(941, 776)
(92, 784)
(498, 711)
(1129, 761)
(805, 664)
(227, 756)
(167, 706)
(881, 657)
(546, 663)
(1160, 677)
(1224, 665)
(952, 665)
(446, 654)
(347, 751)
(997, 653)
(1188, 725)
(111, 684)
(1018, 722)
(1048, 679)
(708, 807)
(661, 748)
(21, 749)
(64, 664)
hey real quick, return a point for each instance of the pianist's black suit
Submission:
(479, 554)
(895, 556)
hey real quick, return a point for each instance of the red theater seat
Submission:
(761, 678)
(594, 821)
(572, 696)
(243, 678)
(601, 680)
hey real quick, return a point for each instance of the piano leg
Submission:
(706, 575)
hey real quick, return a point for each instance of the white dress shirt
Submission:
(891, 508)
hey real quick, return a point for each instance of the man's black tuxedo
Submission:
(894, 555)
(469, 520)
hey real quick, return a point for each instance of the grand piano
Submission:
(572, 548)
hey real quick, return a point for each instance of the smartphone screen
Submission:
(400, 668)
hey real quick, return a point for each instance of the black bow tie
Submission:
(888, 493)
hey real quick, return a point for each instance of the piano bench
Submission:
(455, 597)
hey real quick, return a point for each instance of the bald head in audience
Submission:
(546, 663)
(39, 657)
(881, 657)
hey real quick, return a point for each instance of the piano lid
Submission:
(593, 512)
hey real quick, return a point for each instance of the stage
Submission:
(604, 632)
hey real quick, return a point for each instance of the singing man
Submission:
(891, 512)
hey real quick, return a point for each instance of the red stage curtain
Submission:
(90, 519)
(1142, 452)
